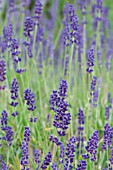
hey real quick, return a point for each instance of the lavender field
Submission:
(56, 85)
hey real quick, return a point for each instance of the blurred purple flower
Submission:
(28, 26)
(38, 10)
(90, 60)
(2, 70)
(80, 137)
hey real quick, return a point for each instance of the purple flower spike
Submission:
(30, 98)
(37, 158)
(28, 27)
(25, 142)
(60, 107)
(3, 164)
(108, 136)
(14, 51)
(14, 90)
(4, 119)
(70, 32)
(38, 10)
(107, 112)
(93, 83)
(111, 159)
(93, 145)
(80, 137)
(54, 166)
(46, 161)
(8, 33)
(9, 135)
(70, 151)
(55, 140)
(2, 70)
(90, 60)
(82, 165)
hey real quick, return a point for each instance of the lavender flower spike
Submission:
(60, 106)
(46, 161)
(2, 70)
(30, 98)
(93, 145)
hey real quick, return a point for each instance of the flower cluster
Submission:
(7, 129)
(93, 145)
(70, 152)
(107, 112)
(8, 33)
(99, 6)
(38, 10)
(37, 157)
(82, 165)
(25, 142)
(55, 140)
(80, 137)
(9, 135)
(108, 136)
(60, 107)
(14, 51)
(90, 60)
(70, 32)
(111, 159)
(2, 72)
(14, 92)
(93, 83)
(54, 166)
(4, 120)
(28, 26)
(46, 161)
(14, 95)
(3, 164)
(28, 29)
(30, 98)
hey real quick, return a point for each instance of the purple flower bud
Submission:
(20, 71)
